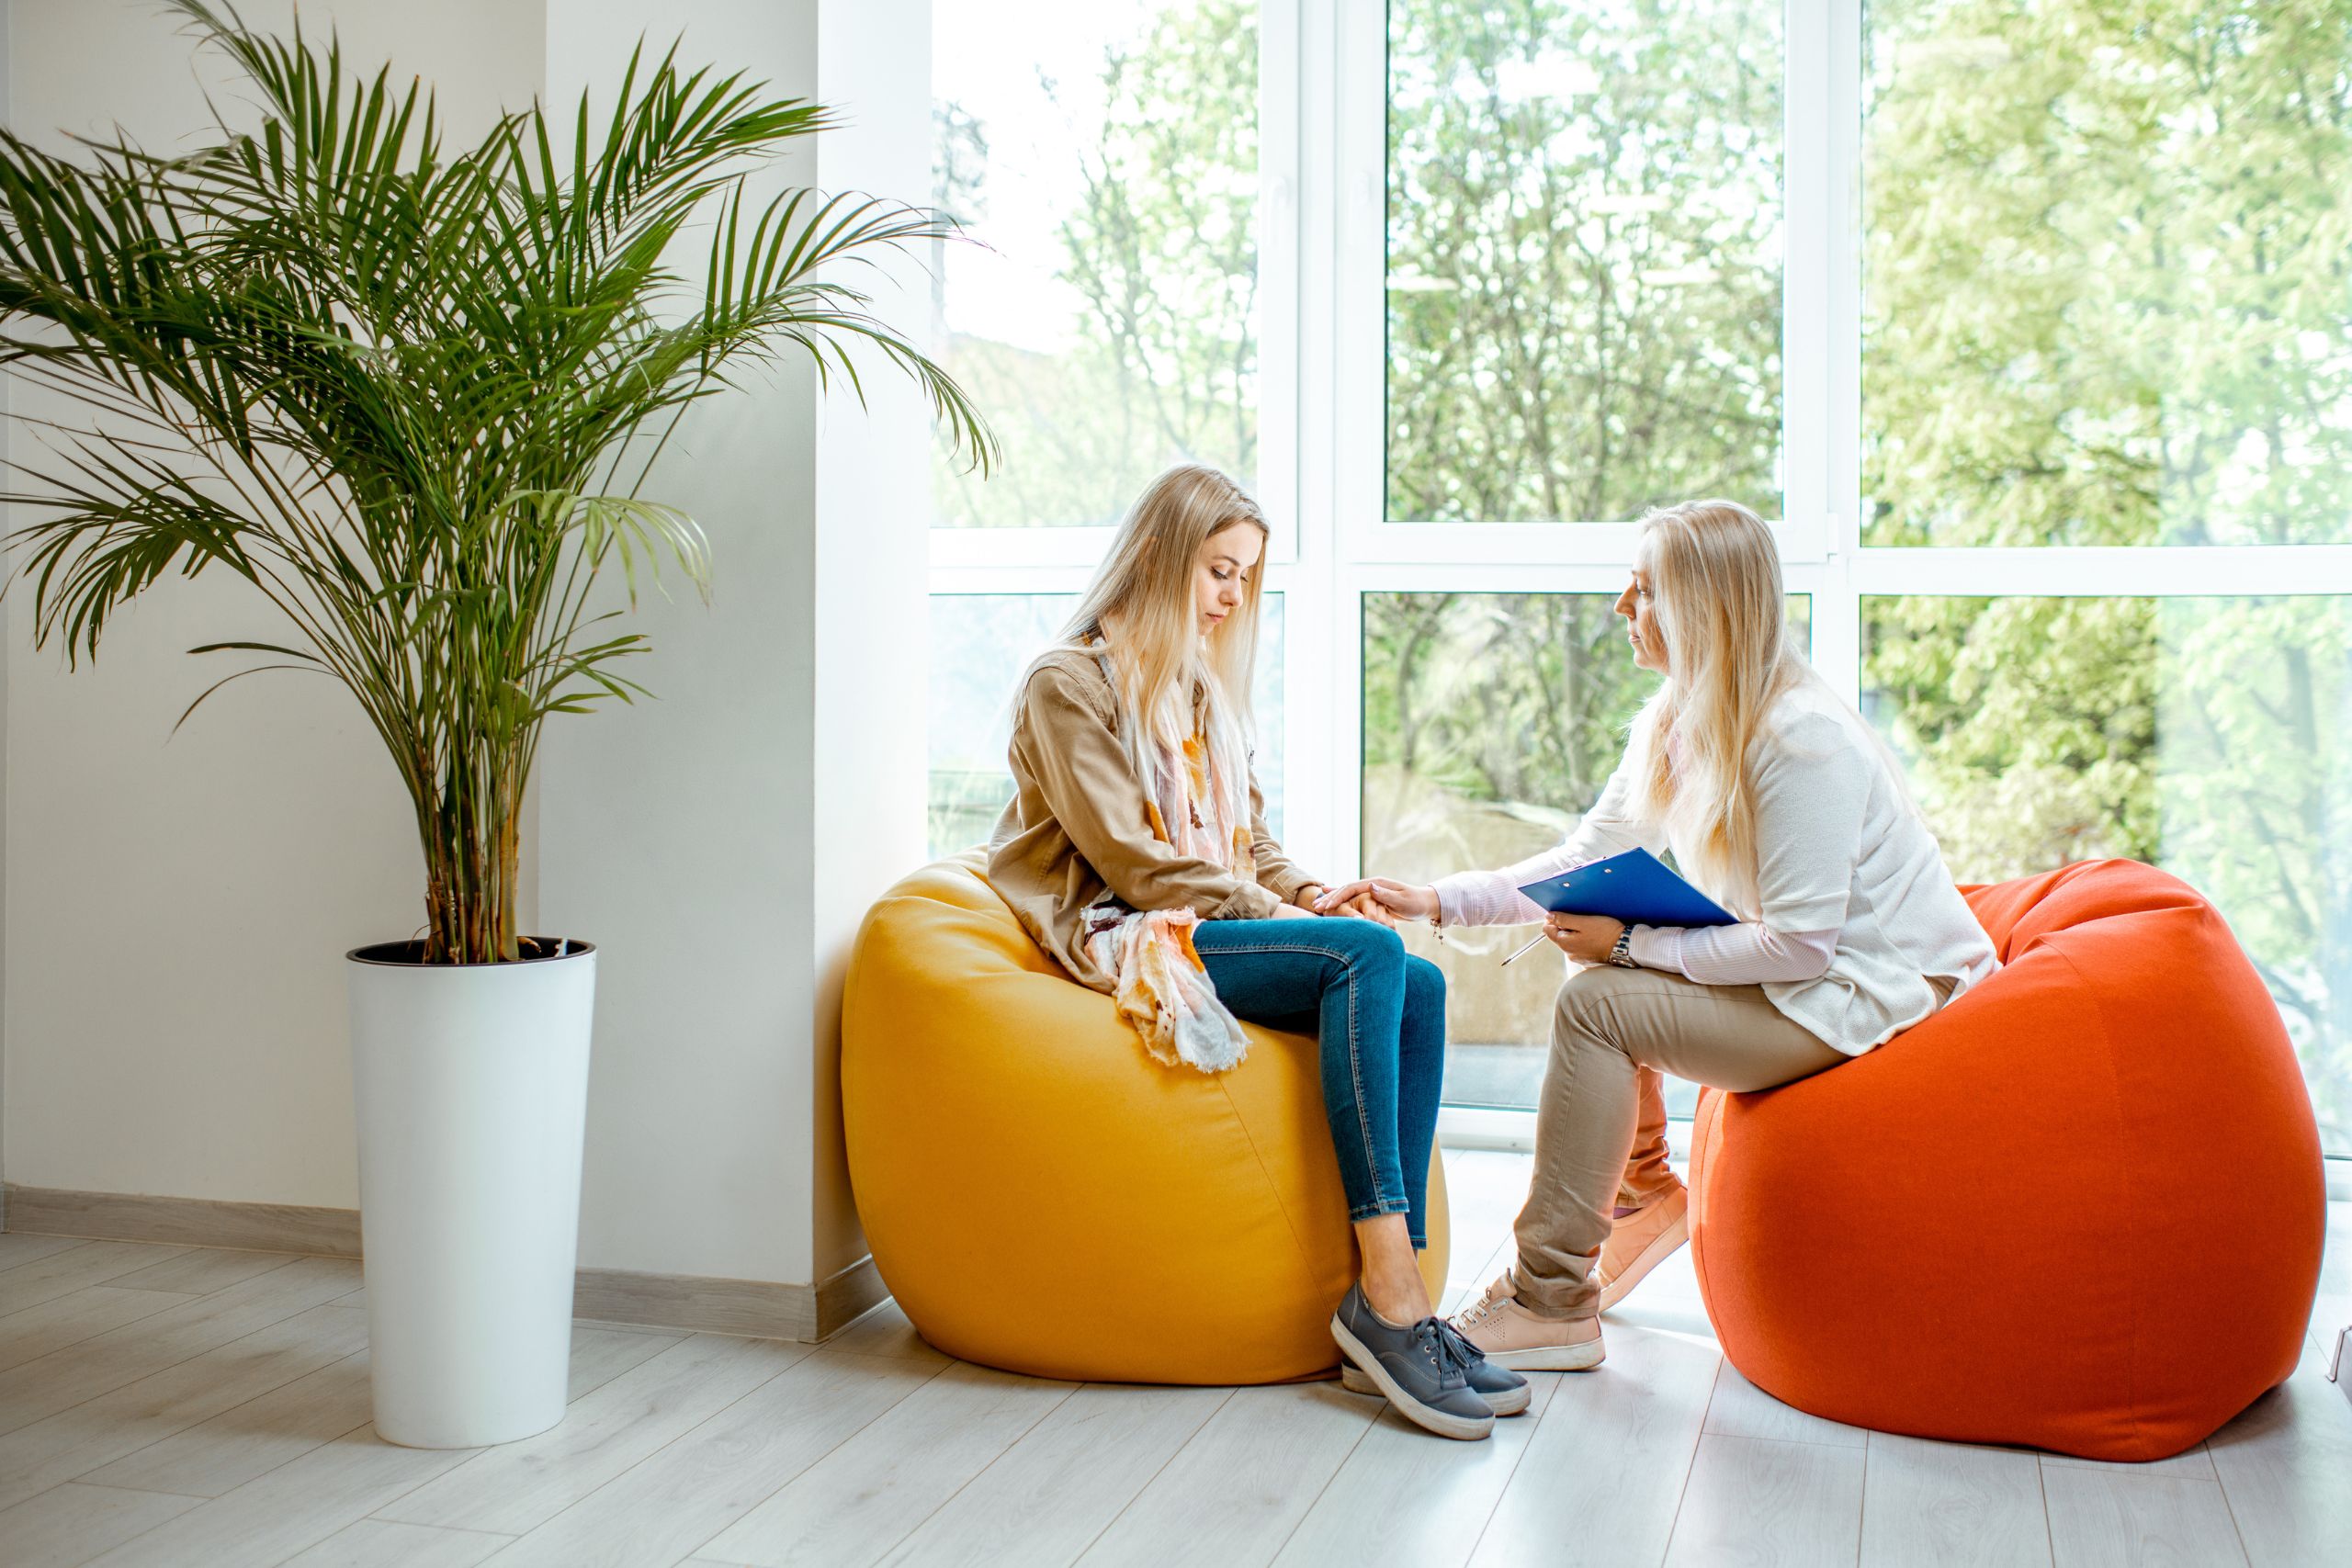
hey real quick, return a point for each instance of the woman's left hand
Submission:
(1314, 897)
(1585, 938)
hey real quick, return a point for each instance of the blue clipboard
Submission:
(1634, 888)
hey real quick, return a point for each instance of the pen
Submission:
(1539, 936)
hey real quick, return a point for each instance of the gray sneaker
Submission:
(1416, 1367)
(1504, 1391)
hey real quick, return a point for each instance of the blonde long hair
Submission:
(1144, 590)
(1717, 589)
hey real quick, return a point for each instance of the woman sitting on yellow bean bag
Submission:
(1136, 852)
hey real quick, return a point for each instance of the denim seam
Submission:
(1332, 954)
(1355, 1080)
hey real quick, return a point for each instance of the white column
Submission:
(869, 747)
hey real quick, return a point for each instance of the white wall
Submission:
(722, 843)
(671, 833)
(177, 907)
(176, 911)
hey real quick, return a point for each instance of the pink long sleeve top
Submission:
(1857, 913)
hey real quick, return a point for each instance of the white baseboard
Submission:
(184, 1221)
(764, 1309)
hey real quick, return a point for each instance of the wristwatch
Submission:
(1620, 953)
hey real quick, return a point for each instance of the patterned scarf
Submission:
(1199, 803)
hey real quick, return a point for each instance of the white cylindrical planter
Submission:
(471, 1086)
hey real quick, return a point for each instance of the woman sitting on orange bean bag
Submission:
(1781, 803)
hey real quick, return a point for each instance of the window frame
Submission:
(1323, 141)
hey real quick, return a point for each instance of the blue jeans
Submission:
(1379, 1019)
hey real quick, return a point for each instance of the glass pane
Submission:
(1584, 257)
(979, 645)
(2211, 737)
(1104, 154)
(2106, 300)
(1490, 722)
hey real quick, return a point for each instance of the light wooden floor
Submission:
(187, 1407)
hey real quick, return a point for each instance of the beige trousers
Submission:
(1600, 1130)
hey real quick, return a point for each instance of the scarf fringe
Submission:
(1165, 991)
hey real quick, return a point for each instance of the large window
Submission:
(1584, 257)
(1104, 152)
(2027, 321)
(2107, 289)
(2210, 736)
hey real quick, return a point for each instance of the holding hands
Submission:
(1379, 898)
(1317, 899)
(1585, 938)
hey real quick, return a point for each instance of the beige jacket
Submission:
(1076, 825)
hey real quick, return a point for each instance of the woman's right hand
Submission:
(1397, 897)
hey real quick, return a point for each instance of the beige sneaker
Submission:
(1513, 1336)
(1641, 1241)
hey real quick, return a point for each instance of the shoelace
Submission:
(1434, 1338)
(1482, 1309)
(1465, 1355)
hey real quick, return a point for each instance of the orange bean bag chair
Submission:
(2080, 1209)
(1043, 1196)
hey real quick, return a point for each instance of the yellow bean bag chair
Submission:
(1043, 1196)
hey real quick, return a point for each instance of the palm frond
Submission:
(390, 382)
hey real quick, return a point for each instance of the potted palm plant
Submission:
(410, 393)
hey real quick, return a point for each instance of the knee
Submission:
(1367, 945)
(1584, 1004)
(1424, 982)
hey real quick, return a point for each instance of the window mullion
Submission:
(1281, 232)
(1841, 149)
(1360, 267)
(2096, 571)
(1314, 723)
(1812, 235)
(1830, 35)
